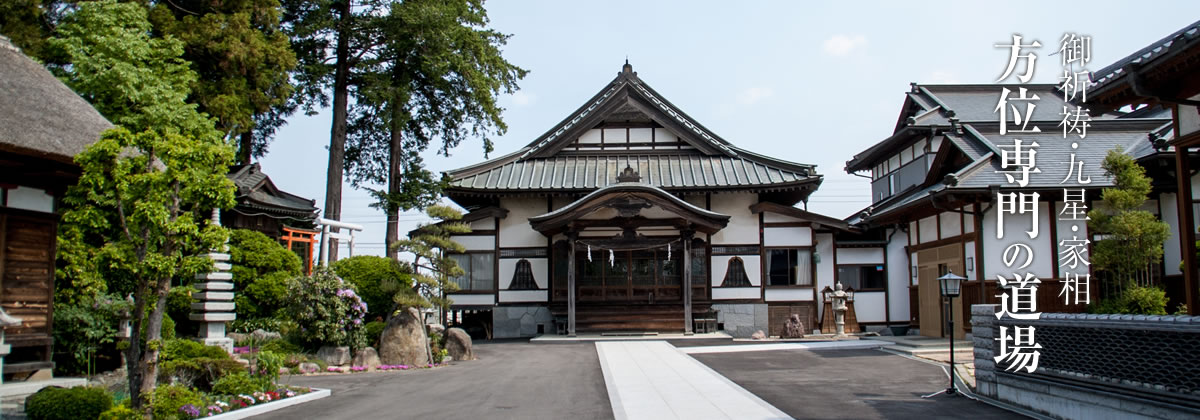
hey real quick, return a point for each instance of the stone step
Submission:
(213, 306)
(222, 266)
(215, 276)
(214, 296)
(214, 285)
(217, 256)
(213, 316)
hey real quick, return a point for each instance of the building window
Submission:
(477, 271)
(523, 277)
(862, 276)
(699, 263)
(789, 267)
(735, 274)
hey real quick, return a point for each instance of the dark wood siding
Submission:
(27, 246)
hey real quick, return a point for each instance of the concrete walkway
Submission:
(654, 380)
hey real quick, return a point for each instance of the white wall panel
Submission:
(860, 256)
(928, 228)
(523, 295)
(1015, 227)
(476, 242)
(951, 224)
(787, 236)
(514, 229)
(1171, 251)
(720, 263)
(788, 294)
(725, 293)
(743, 225)
(508, 266)
(825, 268)
(899, 276)
(472, 299)
(869, 307)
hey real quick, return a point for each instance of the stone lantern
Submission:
(838, 298)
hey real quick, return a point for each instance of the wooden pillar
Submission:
(571, 236)
(1187, 228)
(687, 281)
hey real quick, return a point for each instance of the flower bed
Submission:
(380, 368)
(215, 405)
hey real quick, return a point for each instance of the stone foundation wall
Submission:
(741, 320)
(520, 321)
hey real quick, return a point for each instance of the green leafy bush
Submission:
(257, 258)
(192, 364)
(280, 347)
(377, 280)
(187, 349)
(179, 305)
(327, 310)
(85, 334)
(267, 365)
(375, 331)
(241, 383)
(56, 403)
(1134, 300)
(121, 412)
(167, 399)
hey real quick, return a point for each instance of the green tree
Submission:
(1134, 238)
(147, 187)
(243, 59)
(261, 271)
(377, 280)
(436, 76)
(433, 267)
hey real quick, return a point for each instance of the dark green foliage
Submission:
(375, 331)
(166, 400)
(56, 403)
(1135, 300)
(280, 347)
(432, 247)
(261, 271)
(179, 306)
(187, 349)
(267, 365)
(192, 364)
(85, 334)
(327, 310)
(240, 383)
(377, 280)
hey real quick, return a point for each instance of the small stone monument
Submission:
(215, 306)
(838, 298)
(794, 328)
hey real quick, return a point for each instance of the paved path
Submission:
(653, 380)
(511, 380)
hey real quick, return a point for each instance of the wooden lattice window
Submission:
(523, 277)
(735, 274)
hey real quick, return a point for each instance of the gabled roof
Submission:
(711, 163)
(257, 195)
(1115, 77)
(623, 193)
(39, 115)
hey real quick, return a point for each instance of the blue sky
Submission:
(806, 82)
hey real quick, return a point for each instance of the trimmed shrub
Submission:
(192, 364)
(1136, 300)
(241, 383)
(166, 401)
(261, 269)
(187, 349)
(267, 365)
(280, 347)
(56, 403)
(327, 310)
(377, 279)
(374, 331)
(121, 412)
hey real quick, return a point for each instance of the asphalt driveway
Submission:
(511, 380)
(847, 384)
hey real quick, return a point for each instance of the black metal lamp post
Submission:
(951, 285)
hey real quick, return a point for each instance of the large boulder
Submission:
(367, 358)
(334, 356)
(458, 344)
(404, 341)
(794, 328)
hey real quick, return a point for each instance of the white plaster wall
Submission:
(662, 135)
(951, 224)
(514, 229)
(787, 236)
(726, 293)
(484, 224)
(899, 276)
(614, 135)
(472, 299)
(1189, 120)
(969, 219)
(721, 262)
(640, 135)
(870, 307)
(825, 268)
(928, 228)
(34, 199)
(769, 217)
(743, 225)
(860, 256)
(788, 294)
(1014, 232)
(508, 266)
(1064, 232)
(523, 295)
(1172, 254)
(476, 242)
(590, 136)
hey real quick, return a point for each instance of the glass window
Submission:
(860, 276)
(699, 263)
(523, 277)
(477, 271)
(735, 274)
(789, 267)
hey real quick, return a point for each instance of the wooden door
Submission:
(934, 263)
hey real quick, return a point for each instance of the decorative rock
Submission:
(238, 337)
(458, 344)
(404, 341)
(367, 358)
(334, 356)
(793, 328)
(437, 328)
(309, 368)
(263, 335)
(759, 335)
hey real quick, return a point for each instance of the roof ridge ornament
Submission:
(629, 175)
(627, 68)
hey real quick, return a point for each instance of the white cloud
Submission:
(520, 98)
(840, 45)
(752, 95)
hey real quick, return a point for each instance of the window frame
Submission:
(883, 276)
(467, 273)
(766, 267)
